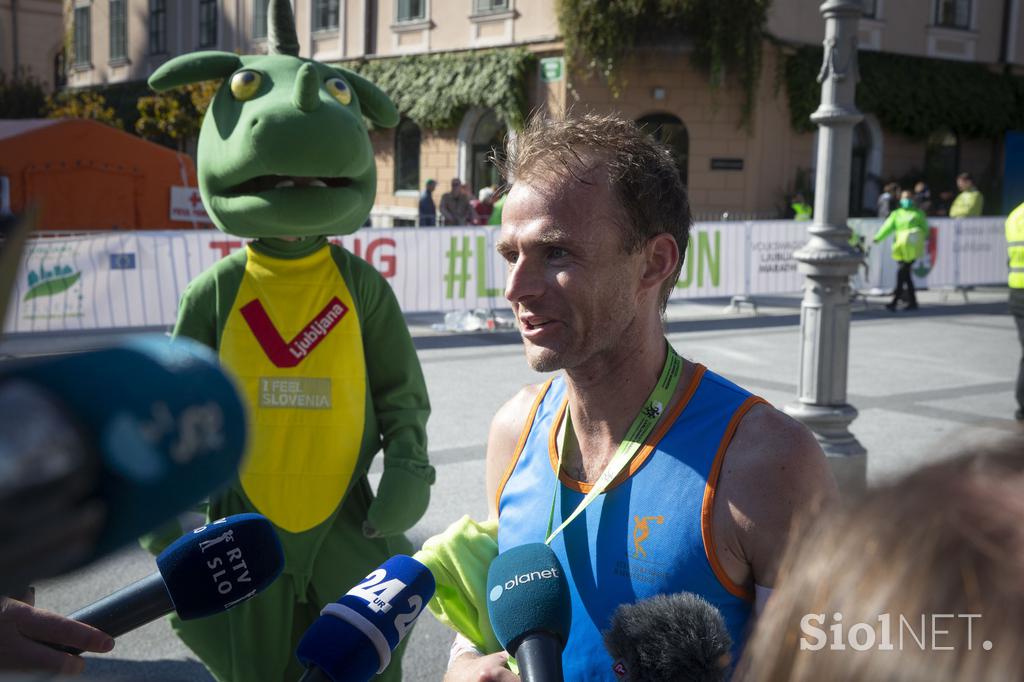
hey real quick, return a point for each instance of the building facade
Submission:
(32, 40)
(742, 170)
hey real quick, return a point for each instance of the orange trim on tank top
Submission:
(521, 443)
(707, 507)
(642, 454)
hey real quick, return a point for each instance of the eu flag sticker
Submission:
(122, 261)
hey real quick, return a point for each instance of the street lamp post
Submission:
(827, 259)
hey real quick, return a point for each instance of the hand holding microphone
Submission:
(530, 609)
(353, 638)
(23, 627)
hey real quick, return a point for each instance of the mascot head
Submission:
(283, 151)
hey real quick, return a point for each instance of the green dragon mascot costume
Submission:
(313, 335)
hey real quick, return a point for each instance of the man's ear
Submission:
(661, 257)
(194, 68)
(375, 105)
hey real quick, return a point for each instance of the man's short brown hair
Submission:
(642, 173)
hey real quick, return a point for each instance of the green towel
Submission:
(459, 559)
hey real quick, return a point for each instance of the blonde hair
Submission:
(946, 542)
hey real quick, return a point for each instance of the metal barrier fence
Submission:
(95, 282)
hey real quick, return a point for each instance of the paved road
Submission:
(926, 383)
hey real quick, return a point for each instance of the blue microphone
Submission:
(530, 608)
(353, 638)
(204, 572)
(147, 428)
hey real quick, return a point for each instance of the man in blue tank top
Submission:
(698, 481)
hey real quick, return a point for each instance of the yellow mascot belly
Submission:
(293, 341)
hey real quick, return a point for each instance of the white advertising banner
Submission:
(187, 206)
(118, 280)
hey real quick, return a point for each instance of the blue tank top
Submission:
(648, 534)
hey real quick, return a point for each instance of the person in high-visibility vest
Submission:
(911, 233)
(801, 209)
(1015, 256)
(969, 202)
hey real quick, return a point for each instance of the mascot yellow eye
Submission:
(245, 85)
(340, 90)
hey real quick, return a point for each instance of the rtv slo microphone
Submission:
(667, 638)
(141, 431)
(353, 638)
(530, 608)
(204, 572)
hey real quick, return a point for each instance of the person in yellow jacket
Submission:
(1015, 256)
(801, 209)
(911, 233)
(969, 202)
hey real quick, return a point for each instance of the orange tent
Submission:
(84, 175)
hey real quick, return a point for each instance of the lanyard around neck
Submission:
(637, 434)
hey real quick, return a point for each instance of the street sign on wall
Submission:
(552, 69)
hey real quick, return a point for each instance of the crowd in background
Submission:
(459, 207)
(967, 203)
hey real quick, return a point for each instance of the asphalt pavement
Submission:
(927, 384)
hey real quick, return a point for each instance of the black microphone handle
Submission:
(539, 656)
(315, 674)
(137, 604)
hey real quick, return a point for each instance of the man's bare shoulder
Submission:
(506, 427)
(767, 440)
(774, 469)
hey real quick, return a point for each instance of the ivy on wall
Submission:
(726, 36)
(436, 90)
(914, 96)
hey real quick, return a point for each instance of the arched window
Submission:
(488, 139)
(670, 131)
(407, 156)
(942, 160)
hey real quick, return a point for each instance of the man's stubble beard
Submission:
(543, 359)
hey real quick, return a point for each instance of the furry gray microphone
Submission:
(677, 637)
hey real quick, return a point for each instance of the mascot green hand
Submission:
(402, 498)
(313, 335)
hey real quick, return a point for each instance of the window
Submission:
(325, 15)
(370, 27)
(412, 10)
(157, 26)
(858, 168)
(207, 23)
(953, 13)
(484, 6)
(942, 160)
(60, 70)
(118, 30)
(259, 18)
(671, 132)
(83, 33)
(488, 142)
(407, 156)
(870, 8)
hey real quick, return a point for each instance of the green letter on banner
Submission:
(686, 275)
(482, 290)
(458, 267)
(705, 256)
